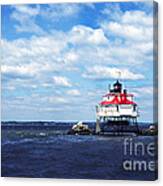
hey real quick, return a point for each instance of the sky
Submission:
(58, 59)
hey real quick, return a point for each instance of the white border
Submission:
(63, 182)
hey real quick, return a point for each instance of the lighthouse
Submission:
(117, 108)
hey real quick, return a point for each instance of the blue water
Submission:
(44, 150)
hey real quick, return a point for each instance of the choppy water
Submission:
(44, 150)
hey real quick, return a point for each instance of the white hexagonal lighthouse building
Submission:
(116, 108)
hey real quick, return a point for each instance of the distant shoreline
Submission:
(68, 122)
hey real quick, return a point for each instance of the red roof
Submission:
(122, 99)
(121, 94)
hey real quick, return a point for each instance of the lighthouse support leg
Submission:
(98, 129)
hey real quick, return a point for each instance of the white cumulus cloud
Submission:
(61, 81)
(73, 92)
(131, 25)
(103, 72)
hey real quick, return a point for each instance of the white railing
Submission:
(116, 112)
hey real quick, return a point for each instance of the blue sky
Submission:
(58, 59)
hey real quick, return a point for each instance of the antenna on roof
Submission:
(109, 87)
(120, 78)
(119, 74)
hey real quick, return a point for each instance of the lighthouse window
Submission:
(126, 106)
